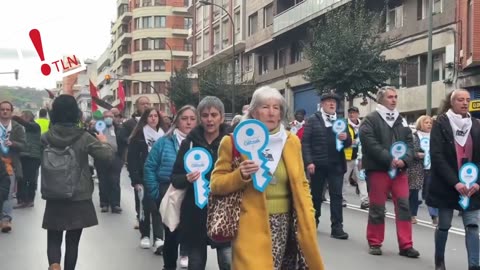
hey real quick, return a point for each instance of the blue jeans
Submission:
(197, 257)
(7, 209)
(470, 221)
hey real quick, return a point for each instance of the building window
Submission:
(216, 39)
(146, 65)
(198, 48)
(394, 18)
(198, 16)
(262, 64)
(160, 21)
(146, 89)
(137, 23)
(159, 87)
(422, 8)
(412, 71)
(136, 45)
(136, 66)
(296, 52)
(225, 34)
(147, 3)
(470, 23)
(159, 44)
(216, 9)
(160, 2)
(279, 59)
(187, 23)
(252, 23)
(159, 65)
(146, 22)
(206, 44)
(268, 15)
(146, 44)
(249, 62)
(237, 22)
(136, 88)
(187, 45)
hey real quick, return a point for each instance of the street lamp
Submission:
(206, 3)
(13, 72)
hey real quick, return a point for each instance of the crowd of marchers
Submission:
(306, 157)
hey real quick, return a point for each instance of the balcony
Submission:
(101, 76)
(121, 2)
(126, 16)
(182, 51)
(302, 13)
(106, 92)
(180, 30)
(125, 37)
(180, 6)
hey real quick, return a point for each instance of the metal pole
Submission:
(429, 58)
(233, 49)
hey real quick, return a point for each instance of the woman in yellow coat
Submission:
(277, 227)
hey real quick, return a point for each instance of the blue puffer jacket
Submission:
(159, 165)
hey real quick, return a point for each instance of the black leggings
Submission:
(54, 247)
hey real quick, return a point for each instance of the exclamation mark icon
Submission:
(37, 42)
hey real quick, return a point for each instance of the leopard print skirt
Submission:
(286, 251)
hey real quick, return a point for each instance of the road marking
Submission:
(420, 222)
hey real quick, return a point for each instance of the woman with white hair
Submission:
(284, 210)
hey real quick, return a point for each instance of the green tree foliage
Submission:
(182, 89)
(346, 52)
(216, 80)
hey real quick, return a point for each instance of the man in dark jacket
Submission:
(141, 105)
(30, 158)
(454, 141)
(13, 142)
(324, 162)
(379, 131)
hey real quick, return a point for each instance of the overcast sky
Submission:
(66, 27)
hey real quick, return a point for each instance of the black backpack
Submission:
(60, 172)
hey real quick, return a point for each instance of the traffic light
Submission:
(16, 74)
(107, 79)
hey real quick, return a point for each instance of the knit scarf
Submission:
(180, 136)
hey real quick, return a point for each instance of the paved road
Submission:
(114, 244)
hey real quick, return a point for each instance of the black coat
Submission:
(193, 220)
(441, 191)
(136, 155)
(4, 182)
(314, 143)
(376, 137)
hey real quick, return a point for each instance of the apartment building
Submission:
(149, 40)
(278, 36)
(468, 12)
(213, 36)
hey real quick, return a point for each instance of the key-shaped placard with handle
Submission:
(251, 138)
(468, 175)
(199, 160)
(398, 151)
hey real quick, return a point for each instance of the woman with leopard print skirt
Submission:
(284, 209)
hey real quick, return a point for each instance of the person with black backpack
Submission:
(67, 183)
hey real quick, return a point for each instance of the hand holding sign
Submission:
(251, 138)
(339, 126)
(199, 160)
(100, 126)
(468, 175)
(425, 146)
(398, 151)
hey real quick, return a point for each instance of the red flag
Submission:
(121, 96)
(93, 93)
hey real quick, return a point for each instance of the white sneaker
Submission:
(184, 262)
(158, 246)
(145, 243)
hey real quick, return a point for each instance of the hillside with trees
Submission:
(23, 98)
